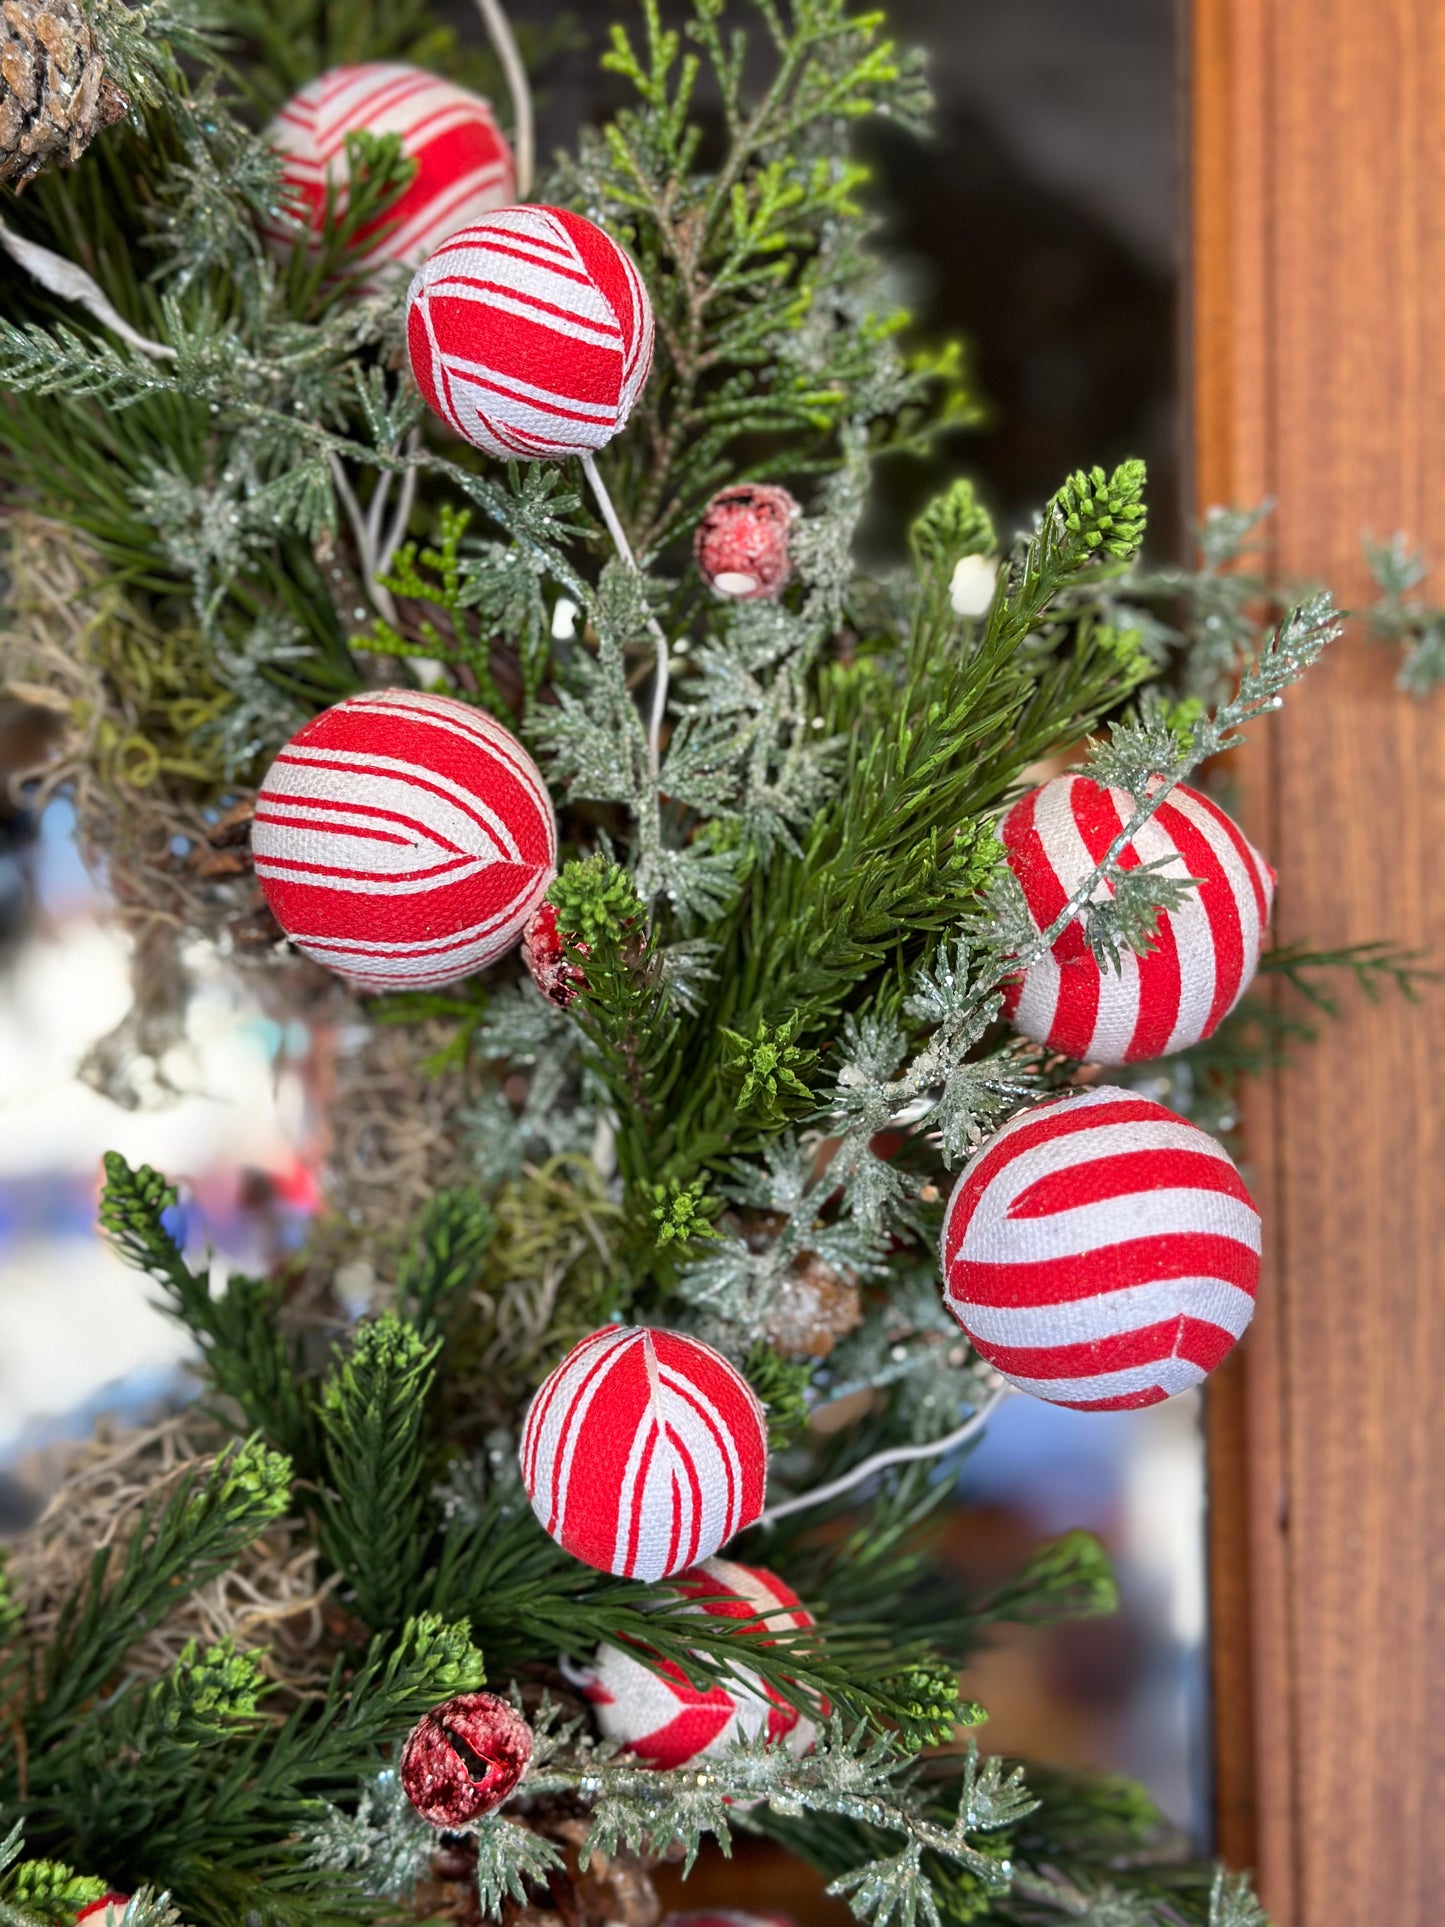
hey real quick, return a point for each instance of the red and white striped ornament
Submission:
(644, 1451)
(1101, 1252)
(463, 163)
(1205, 954)
(665, 1720)
(530, 334)
(108, 1911)
(403, 839)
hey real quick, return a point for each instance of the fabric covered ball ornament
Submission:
(1205, 954)
(668, 1722)
(644, 1452)
(403, 839)
(464, 1758)
(530, 334)
(108, 1911)
(741, 543)
(463, 163)
(1101, 1252)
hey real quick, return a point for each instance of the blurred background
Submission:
(1041, 223)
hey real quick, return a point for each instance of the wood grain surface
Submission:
(1318, 374)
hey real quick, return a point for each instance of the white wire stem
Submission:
(71, 283)
(524, 135)
(387, 545)
(375, 550)
(896, 1455)
(381, 598)
(624, 549)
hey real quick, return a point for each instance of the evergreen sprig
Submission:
(373, 1520)
(247, 1352)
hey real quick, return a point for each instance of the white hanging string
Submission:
(377, 541)
(71, 283)
(624, 549)
(524, 137)
(896, 1455)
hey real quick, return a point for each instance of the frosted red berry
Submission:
(464, 1758)
(544, 951)
(742, 541)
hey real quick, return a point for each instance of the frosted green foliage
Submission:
(849, 1773)
(734, 1284)
(1396, 617)
(1233, 1904)
(383, 1839)
(1219, 599)
(264, 712)
(911, 1347)
(509, 1857)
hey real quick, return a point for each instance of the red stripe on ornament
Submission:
(1179, 1336)
(604, 261)
(1076, 1011)
(1004, 1286)
(1247, 856)
(323, 828)
(514, 292)
(1058, 1118)
(1216, 893)
(1125, 1174)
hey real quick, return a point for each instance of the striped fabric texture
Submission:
(1204, 956)
(1101, 1252)
(403, 839)
(530, 334)
(644, 1452)
(667, 1721)
(464, 165)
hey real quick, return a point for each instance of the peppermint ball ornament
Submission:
(403, 839)
(644, 1452)
(464, 1758)
(1101, 1252)
(530, 334)
(1205, 953)
(667, 1721)
(108, 1911)
(463, 163)
(741, 543)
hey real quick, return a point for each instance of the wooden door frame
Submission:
(1316, 325)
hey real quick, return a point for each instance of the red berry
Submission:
(544, 950)
(741, 543)
(464, 1758)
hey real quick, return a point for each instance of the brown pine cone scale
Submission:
(55, 95)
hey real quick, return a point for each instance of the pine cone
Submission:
(54, 94)
(814, 1307)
